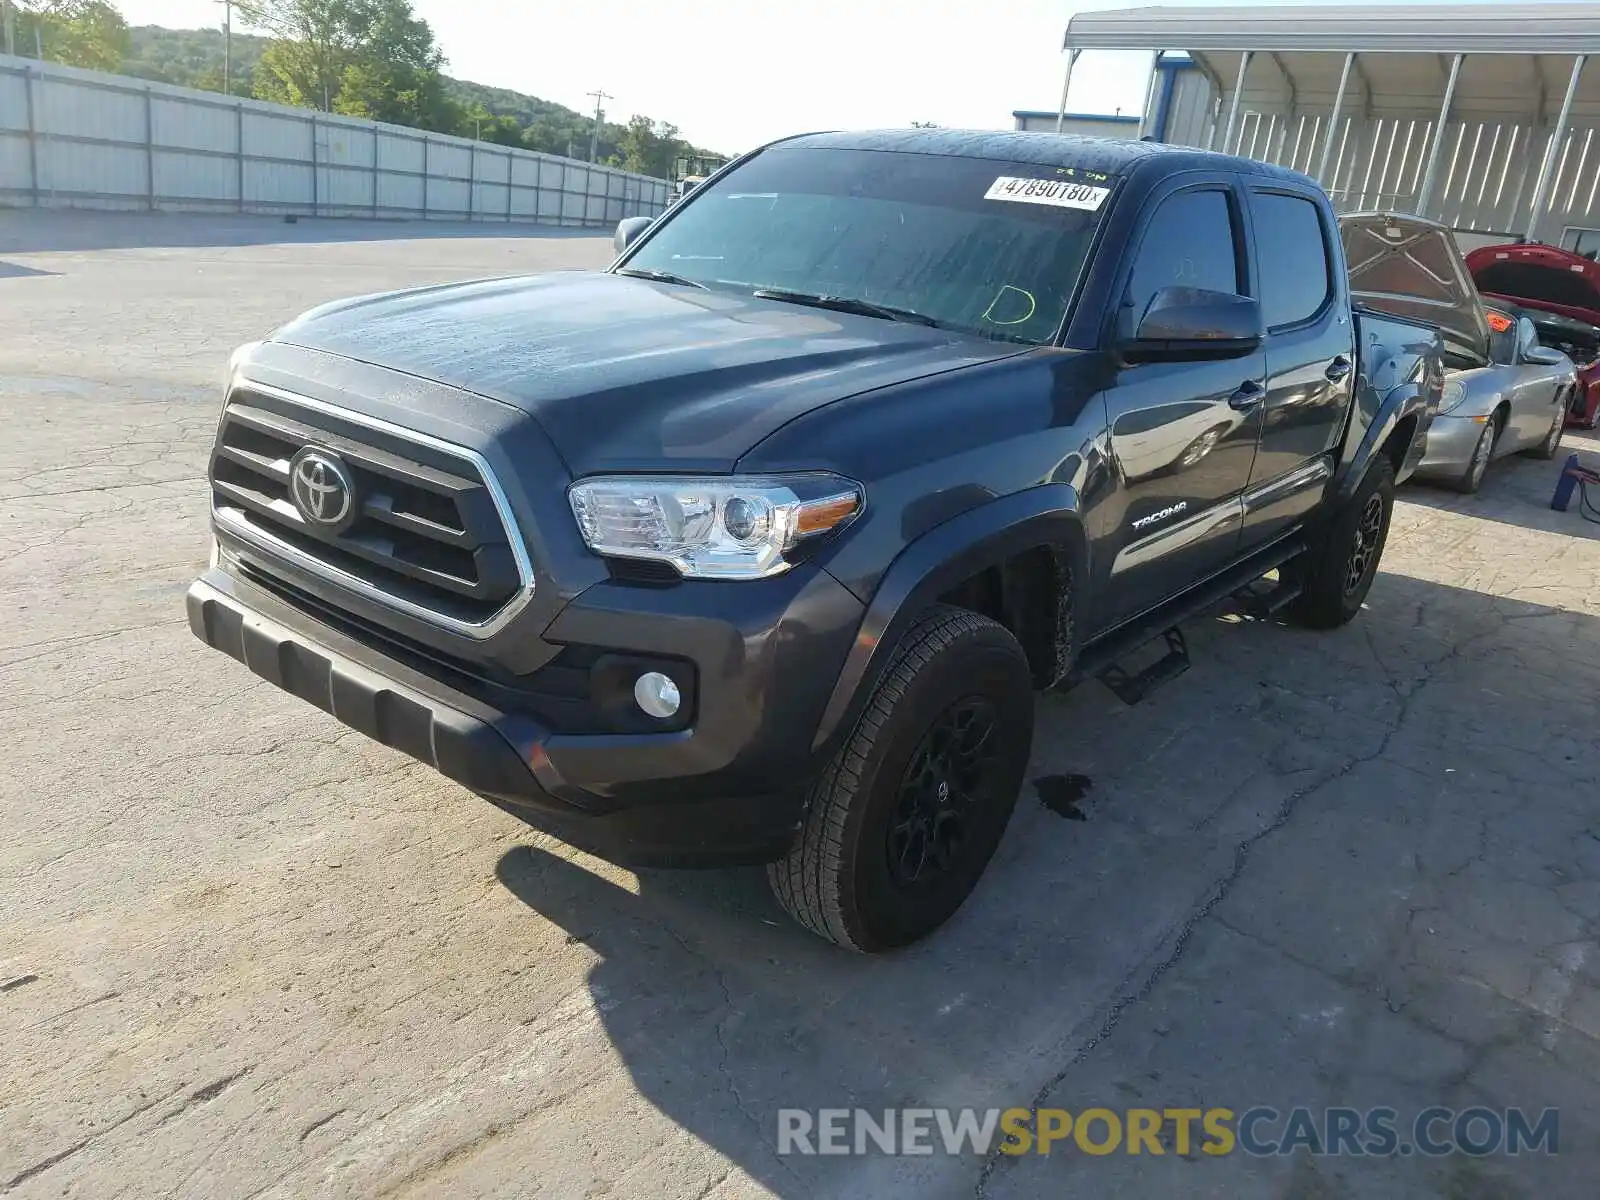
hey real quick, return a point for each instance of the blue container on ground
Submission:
(1566, 484)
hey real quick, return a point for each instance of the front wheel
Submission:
(906, 816)
(1471, 479)
(1336, 573)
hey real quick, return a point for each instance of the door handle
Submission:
(1338, 369)
(1247, 395)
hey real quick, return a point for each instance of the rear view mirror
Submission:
(1184, 323)
(1544, 356)
(629, 230)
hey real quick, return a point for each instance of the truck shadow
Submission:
(724, 1012)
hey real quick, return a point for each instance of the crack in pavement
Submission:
(1134, 989)
(56, 1159)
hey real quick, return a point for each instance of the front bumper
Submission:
(1451, 441)
(728, 788)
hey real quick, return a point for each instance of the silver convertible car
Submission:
(1504, 392)
(1516, 403)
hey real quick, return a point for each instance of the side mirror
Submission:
(629, 230)
(1196, 323)
(1544, 356)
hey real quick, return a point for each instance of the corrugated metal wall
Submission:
(81, 139)
(1077, 124)
(1486, 170)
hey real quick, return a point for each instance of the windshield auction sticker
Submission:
(1047, 191)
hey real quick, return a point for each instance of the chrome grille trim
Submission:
(265, 543)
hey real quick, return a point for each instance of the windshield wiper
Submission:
(661, 277)
(848, 304)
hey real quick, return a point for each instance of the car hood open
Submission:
(631, 374)
(1413, 268)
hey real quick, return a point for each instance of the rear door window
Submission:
(1292, 258)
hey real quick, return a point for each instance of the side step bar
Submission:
(1261, 605)
(1131, 689)
(1101, 655)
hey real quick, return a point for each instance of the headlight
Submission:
(1452, 396)
(237, 360)
(727, 527)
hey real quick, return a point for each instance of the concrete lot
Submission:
(244, 952)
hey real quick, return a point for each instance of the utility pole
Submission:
(594, 137)
(10, 22)
(227, 46)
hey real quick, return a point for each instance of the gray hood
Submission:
(1413, 268)
(629, 374)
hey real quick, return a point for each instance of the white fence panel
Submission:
(72, 138)
(277, 135)
(177, 125)
(210, 179)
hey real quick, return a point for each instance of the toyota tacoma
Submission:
(755, 546)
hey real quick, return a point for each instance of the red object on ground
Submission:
(1566, 285)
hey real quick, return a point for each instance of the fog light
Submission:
(656, 694)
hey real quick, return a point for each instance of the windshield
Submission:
(992, 248)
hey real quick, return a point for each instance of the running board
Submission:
(1128, 637)
(1260, 606)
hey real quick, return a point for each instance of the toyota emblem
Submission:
(321, 488)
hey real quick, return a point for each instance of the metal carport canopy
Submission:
(1510, 28)
(1486, 61)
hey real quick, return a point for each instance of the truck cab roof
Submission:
(1114, 156)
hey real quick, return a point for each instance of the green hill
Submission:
(193, 58)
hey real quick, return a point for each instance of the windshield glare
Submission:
(943, 236)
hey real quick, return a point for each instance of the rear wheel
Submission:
(904, 820)
(1336, 573)
(1552, 439)
(1471, 479)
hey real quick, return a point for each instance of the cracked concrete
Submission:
(244, 953)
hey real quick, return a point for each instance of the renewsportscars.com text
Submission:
(1259, 1131)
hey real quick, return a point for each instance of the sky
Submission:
(732, 74)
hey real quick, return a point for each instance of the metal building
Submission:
(1105, 125)
(1481, 116)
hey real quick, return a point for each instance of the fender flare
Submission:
(938, 560)
(1399, 404)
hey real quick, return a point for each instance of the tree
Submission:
(80, 33)
(364, 58)
(648, 147)
(316, 41)
(503, 131)
(210, 80)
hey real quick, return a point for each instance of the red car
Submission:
(1562, 292)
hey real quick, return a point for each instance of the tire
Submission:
(1552, 441)
(1336, 573)
(903, 820)
(1471, 479)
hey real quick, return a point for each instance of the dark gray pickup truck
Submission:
(756, 546)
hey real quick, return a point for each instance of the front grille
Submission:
(425, 534)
